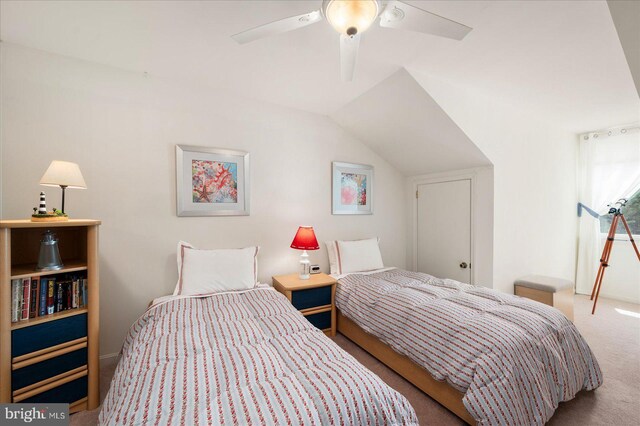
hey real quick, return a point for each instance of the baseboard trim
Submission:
(613, 297)
(107, 356)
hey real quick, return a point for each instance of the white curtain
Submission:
(609, 169)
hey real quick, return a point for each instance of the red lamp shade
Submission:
(305, 239)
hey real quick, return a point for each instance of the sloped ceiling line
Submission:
(626, 16)
(402, 123)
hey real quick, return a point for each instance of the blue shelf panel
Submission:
(30, 339)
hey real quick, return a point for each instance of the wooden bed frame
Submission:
(442, 392)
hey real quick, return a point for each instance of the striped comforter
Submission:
(514, 359)
(242, 359)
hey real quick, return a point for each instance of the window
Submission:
(631, 214)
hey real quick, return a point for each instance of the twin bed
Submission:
(490, 357)
(248, 357)
(244, 358)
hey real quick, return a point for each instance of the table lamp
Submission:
(305, 239)
(65, 175)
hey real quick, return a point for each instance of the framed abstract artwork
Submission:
(352, 188)
(211, 181)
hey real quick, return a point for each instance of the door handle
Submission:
(463, 265)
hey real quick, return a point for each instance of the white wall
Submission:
(482, 220)
(122, 129)
(622, 278)
(534, 165)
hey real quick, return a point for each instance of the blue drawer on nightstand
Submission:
(30, 339)
(321, 320)
(304, 299)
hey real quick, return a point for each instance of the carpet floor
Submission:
(613, 334)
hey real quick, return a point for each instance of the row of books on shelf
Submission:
(41, 296)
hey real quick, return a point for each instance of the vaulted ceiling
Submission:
(626, 17)
(559, 59)
(401, 122)
(562, 58)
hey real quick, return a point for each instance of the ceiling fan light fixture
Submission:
(350, 17)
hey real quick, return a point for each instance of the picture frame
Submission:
(351, 188)
(211, 181)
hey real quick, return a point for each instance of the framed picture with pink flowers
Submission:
(211, 181)
(352, 188)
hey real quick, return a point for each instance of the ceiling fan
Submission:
(351, 18)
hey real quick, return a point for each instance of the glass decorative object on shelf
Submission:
(49, 257)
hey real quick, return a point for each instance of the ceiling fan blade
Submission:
(406, 17)
(348, 55)
(277, 27)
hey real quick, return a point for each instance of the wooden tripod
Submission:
(608, 245)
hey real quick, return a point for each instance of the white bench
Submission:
(551, 291)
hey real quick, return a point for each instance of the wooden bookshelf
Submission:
(60, 332)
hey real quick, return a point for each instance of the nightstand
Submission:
(314, 298)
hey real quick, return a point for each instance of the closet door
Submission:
(444, 229)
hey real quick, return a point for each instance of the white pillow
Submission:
(358, 256)
(333, 260)
(213, 271)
